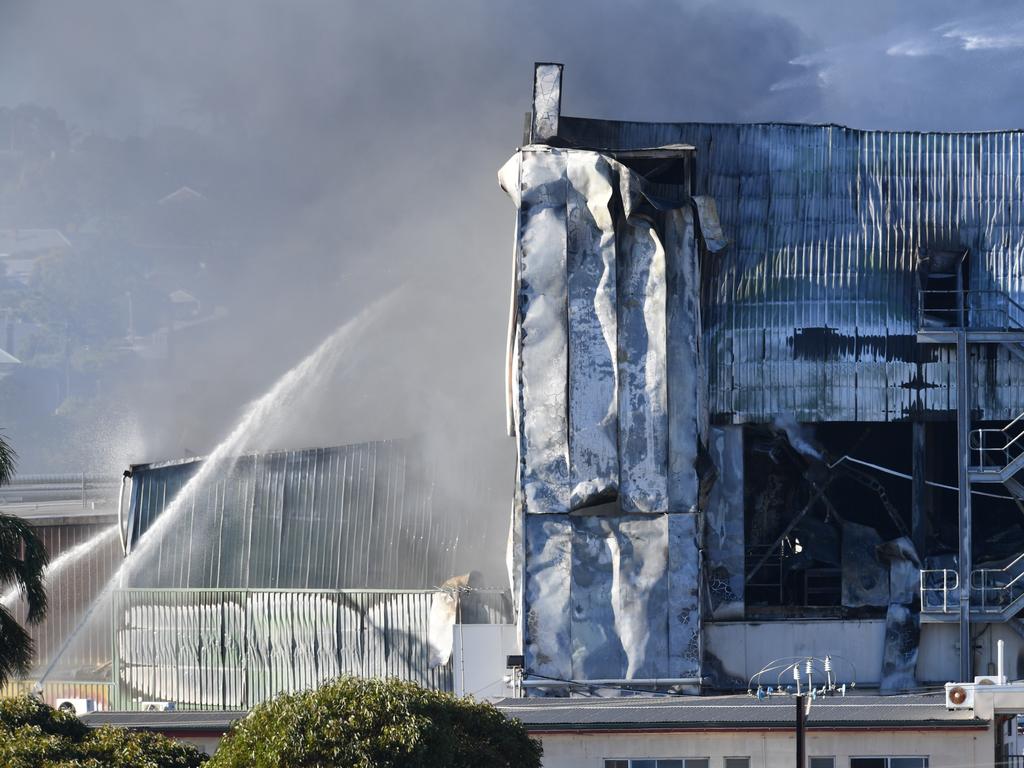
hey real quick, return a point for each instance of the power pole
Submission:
(801, 750)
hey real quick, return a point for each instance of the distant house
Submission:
(181, 195)
(184, 305)
(22, 249)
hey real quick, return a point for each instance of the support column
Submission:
(963, 429)
(547, 102)
(919, 490)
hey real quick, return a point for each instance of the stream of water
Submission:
(62, 561)
(310, 371)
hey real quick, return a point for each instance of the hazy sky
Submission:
(365, 137)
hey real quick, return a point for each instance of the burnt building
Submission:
(765, 383)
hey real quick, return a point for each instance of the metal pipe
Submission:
(74, 480)
(639, 683)
(122, 534)
(905, 476)
(963, 414)
(801, 748)
(999, 661)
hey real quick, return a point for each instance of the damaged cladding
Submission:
(706, 319)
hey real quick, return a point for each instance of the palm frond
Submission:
(23, 561)
(8, 461)
(16, 648)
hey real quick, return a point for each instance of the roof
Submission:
(182, 194)
(210, 721)
(28, 241)
(681, 713)
(182, 297)
(57, 499)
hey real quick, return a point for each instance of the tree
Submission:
(23, 560)
(33, 735)
(376, 724)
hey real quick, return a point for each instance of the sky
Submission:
(362, 140)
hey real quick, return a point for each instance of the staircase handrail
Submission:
(969, 302)
(979, 443)
(945, 589)
(985, 587)
(1011, 302)
(1019, 558)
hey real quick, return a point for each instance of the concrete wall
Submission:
(745, 647)
(937, 660)
(944, 749)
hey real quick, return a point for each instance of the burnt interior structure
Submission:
(758, 372)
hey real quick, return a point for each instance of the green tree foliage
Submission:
(23, 560)
(376, 724)
(33, 735)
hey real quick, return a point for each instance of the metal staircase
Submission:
(961, 317)
(997, 455)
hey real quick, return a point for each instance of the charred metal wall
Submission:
(811, 311)
(724, 534)
(605, 388)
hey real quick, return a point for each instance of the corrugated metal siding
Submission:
(70, 592)
(811, 310)
(353, 516)
(231, 649)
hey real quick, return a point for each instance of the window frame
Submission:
(630, 760)
(889, 758)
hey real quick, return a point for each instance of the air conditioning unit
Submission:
(78, 706)
(157, 706)
(988, 680)
(959, 695)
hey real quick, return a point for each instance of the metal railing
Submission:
(993, 590)
(942, 597)
(989, 310)
(993, 449)
(997, 588)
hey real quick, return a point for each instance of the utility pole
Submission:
(801, 750)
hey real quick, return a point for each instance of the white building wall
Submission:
(745, 647)
(944, 749)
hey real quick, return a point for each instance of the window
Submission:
(823, 762)
(888, 762)
(737, 762)
(678, 762)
